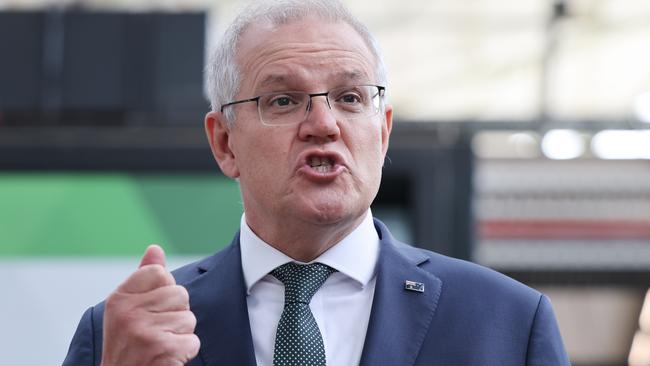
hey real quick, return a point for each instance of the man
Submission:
(299, 119)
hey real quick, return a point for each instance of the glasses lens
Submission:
(356, 101)
(283, 108)
(349, 102)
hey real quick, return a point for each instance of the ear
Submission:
(220, 139)
(386, 128)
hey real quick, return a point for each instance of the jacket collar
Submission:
(400, 319)
(218, 300)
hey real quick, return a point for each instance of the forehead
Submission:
(306, 51)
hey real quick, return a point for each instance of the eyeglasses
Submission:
(292, 107)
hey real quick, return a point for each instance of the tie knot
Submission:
(301, 281)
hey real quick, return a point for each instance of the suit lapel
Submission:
(218, 300)
(399, 319)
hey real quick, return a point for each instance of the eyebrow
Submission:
(348, 75)
(273, 79)
(354, 75)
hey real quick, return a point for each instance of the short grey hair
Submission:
(223, 77)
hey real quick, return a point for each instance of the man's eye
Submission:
(281, 101)
(350, 98)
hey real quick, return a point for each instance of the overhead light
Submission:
(526, 144)
(563, 144)
(506, 144)
(621, 144)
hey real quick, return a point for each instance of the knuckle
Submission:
(194, 346)
(182, 294)
(168, 346)
(187, 322)
(192, 320)
(181, 323)
(156, 270)
(196, 343)
(167, 276)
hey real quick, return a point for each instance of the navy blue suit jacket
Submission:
(467, 314)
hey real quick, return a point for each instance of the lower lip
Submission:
(316, 176)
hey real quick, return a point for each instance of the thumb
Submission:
(153, 255)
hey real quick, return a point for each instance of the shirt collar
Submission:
(354, 256)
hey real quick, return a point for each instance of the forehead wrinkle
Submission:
(284, 52)
(268, 49)
(348, 66)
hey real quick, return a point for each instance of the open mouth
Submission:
(321, 164)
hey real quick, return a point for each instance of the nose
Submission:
(320, 123)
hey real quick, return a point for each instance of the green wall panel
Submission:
(77, 214)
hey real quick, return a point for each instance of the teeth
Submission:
(320, 164)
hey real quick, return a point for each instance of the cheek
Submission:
(263, 157)
(369, 146)
(369, 157)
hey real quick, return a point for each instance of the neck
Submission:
(304, 241)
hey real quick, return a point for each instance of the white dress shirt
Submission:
(341, 306)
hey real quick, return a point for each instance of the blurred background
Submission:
(521, 142)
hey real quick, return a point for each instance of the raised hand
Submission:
(147, 319)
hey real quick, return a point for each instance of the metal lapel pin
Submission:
(414, 286)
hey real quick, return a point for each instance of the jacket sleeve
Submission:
(545, 346)
(82, 347)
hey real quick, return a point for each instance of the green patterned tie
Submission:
(298, 340)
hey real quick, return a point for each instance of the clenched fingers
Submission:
(177, 349)
(166, 298)
(189, 345)
(177, 322)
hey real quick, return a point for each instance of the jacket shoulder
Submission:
(187, 273)
(465, 275)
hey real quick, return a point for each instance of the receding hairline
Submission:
(353, 73)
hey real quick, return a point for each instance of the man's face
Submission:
(279, 181)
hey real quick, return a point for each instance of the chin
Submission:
(331, 212)
(329, 205)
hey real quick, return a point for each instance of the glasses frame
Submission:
(256, 99)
